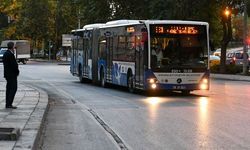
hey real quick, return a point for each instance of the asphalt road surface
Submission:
(85, 116)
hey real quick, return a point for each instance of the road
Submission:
(85, 116)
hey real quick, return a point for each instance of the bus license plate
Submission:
(179, 87)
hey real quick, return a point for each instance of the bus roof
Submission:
(124, 22)
(174, 22)
(121, 22)
(95, 25)
(148, 22)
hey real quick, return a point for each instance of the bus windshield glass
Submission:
(178, 46)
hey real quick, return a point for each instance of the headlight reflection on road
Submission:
(153, 103)
(203, 103)
(203, 121)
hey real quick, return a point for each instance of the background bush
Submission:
(230, 69)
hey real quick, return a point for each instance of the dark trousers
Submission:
(11, 88)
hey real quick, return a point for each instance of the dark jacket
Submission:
(10, 65)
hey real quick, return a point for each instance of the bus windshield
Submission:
(178, 46)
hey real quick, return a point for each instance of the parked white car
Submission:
(2, 51)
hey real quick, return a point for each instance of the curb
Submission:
(40, 130)
(35, 123)
(230, 77)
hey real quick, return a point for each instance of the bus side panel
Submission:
(120, 70)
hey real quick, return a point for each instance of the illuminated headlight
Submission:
(152, 80)
(205, 80)
(204, 84)
(153, 86)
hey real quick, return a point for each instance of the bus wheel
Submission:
(130, 84)
(103, 84)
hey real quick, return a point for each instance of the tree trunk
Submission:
(227, 36)
(223, 57)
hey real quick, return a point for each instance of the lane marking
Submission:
(109, 130)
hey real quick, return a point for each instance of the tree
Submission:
(3, 20)
(130, 9)
(11, 9)
(95, 11)
(226, 21)
(44, 20)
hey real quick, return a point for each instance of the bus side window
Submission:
(102, 47)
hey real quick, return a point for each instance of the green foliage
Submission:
(215, 68)
(3, 20)
(34, 19)
(234, 69)
(95, 11)
(230, 69)
(46, 20)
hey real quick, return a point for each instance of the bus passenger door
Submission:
(85, 56)
(95, 56)
(74, 57)
(109, 59)
(139, 69)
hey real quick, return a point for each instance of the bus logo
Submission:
(179, 80)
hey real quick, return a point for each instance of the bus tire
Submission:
(130, 83)
(102, 78)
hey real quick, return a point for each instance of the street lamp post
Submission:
(245, 61)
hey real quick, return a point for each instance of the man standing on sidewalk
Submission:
(11, 72)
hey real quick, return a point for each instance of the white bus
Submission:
(148, 55)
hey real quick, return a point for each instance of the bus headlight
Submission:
(205, 80)
(204, 84)
(152, 80)
(153, 86)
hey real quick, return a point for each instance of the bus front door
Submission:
(139, 69)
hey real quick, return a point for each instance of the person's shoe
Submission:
(12, 107)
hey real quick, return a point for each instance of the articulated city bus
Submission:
(148, 55)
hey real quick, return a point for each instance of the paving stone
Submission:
(7, 145)
(27, 139)
(32, 104)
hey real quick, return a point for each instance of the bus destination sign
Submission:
(175, 29)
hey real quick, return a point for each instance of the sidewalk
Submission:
(230, 77)
(28, 117)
